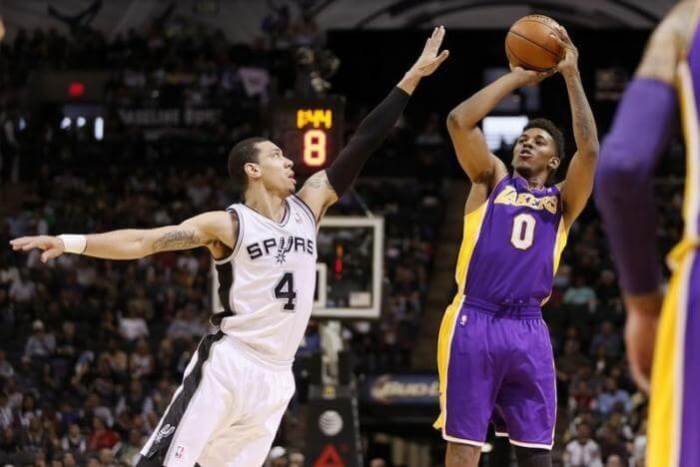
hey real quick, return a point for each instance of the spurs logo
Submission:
(164, 432)
(283, 249)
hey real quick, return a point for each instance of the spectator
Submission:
(29, 411)
(277, 457)
(611, 396)
(639, 446)
(9, 442)
(6, 369)
(296, 459)
(74, 441)
(582, 451)
(7, 416)
(34, 438)
(23, 289)
(141, 363)
(7, 313)
(611, 444)
(134, 400)
(40, 344)
(186, 325)
(67, 344)
(129, 450)
(101, 437)
(68, 460)
(615, 461)
(580, 294)
(607, 290)
(133, 327)
(106, 457)
(581, 396)
(608, 340)
(569, 363)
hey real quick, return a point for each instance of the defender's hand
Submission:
(569, 63)
(528, 77)
(53, 247)
(429, 60)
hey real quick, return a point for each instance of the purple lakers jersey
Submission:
(512, 244)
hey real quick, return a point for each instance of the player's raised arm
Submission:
(578, 184)
(325, 187)
(480, 165)
(212, 229)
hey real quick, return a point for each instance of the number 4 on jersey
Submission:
(284, 290)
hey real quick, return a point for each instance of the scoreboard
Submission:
(309, 130)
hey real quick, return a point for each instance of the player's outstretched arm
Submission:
(578, 186)
(325, 187)
(212, 229)
(480, 165)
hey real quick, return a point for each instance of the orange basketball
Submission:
(529, 45)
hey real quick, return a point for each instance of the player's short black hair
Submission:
(242, 153)
(554, 132)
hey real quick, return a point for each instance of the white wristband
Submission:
(74, 243)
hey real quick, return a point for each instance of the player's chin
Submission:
(523, 168)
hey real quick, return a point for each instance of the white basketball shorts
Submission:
(226, 411)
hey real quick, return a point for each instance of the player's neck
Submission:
(536, 182)
(268, 204)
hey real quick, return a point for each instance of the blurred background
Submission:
(121, 113)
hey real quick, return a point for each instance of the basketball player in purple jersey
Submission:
(494, 354)
(668, 74)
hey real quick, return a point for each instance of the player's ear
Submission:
(252, 170)
(553, 163)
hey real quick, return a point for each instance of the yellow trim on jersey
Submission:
(665, 411)
(691, 130)
(470, 234)
(559, 245)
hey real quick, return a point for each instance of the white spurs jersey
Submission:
(268, 282)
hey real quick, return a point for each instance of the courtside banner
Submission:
(401, 389)
(333, 433)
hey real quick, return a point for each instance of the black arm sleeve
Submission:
(368, 137)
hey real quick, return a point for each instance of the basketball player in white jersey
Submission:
(239, 382)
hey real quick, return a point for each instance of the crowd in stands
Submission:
(92, 350)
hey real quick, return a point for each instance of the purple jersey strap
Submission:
(624, 187)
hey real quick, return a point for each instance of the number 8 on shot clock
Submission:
(309, 130)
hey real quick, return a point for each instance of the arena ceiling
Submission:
(240, 19)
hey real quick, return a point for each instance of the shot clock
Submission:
(309, 130)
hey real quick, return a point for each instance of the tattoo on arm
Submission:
(319, 180)
(585, 132)
(177, 240)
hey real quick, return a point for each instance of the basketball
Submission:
(529, 45)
